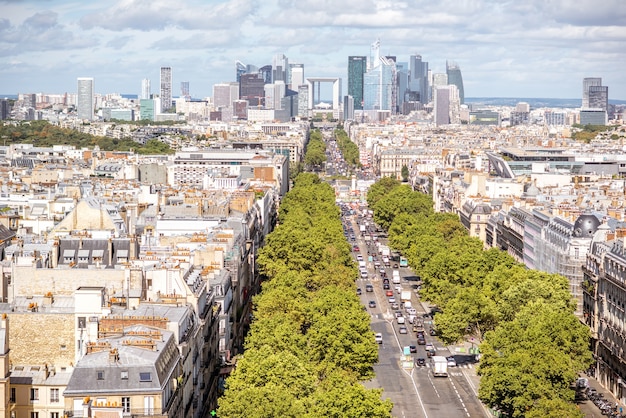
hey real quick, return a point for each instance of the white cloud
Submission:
(504, 48)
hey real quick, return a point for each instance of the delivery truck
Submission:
(439, 366)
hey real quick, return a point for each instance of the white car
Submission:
(378, 337)
(400, 320)
(392, 300)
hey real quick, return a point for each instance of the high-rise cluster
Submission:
(384, 84)
(595, 103)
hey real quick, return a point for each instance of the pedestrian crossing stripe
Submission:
(458, 366)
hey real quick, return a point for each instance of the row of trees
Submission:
(315, 150)
(349, 149)
(310, 344)
(43, 134)
(532, 344)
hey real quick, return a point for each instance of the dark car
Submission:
(413, 348)
(358, 290)
(420, 362)
(386, 286)
(369, 288)
(433, 331)
(372, 303)
(421, 341)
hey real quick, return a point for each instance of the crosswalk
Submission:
(458, 366)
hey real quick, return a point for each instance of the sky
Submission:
(531, 48)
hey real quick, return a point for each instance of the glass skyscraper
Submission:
(454, 77)
(418, 78)
(357, 66)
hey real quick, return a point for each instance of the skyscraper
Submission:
(85, 100)
(166, 88)
(587, 83)
(240, 68)
(224, 94)
(184, 89)
(454, 77)
(251, 89)
(296, 76)
(357, 66)
(145, 89)
(4, 109)
(599, 97)
(418, 78)
(280, 68)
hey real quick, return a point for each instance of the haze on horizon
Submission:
(537, 48)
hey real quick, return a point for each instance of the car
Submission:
(359, 257)
(432, 332)
(369, 287)
(395, 305)
(395, 265)
(413, 348)
(392, 299)
(386, 280)
(389, 292)
(358, 291)
(378, 337)
(356, 249)
(421, 341)
(400, 320)
(430, 350)
(371, 303)
(402, 329)
(398, 289)
(451, 361)
(386, 286)
(420, 362)
(363, 274)
(411, 311)
(397, 314)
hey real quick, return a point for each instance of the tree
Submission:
(405, 173)
(538, 354)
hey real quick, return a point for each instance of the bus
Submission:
(404, 262)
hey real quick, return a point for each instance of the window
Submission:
(125, 404)
(145, 377)
(34, 394)
(100, 374)
(34, 415)
(54, 395)
(54, 415)
(12, 399)
(124, 375)
(82, 321)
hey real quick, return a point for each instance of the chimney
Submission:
(114, 356)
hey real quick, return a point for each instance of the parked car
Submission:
(378, 337)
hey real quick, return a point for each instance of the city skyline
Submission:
(534, 49)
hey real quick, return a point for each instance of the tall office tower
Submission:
(85, 99)
(30, 100)
(166, 88)
(145, 89)
(371, 90)
(266, 73)
(274, 94)
(184, 89)
(296, 76)
(402, 82)
(240, 68)
(455, 78)
(303, 100)
(348, 108)
(441, 108)
(599, 97)
(388, 84)
(280, 68)
(439, 80)
(587, 83)
(4, 109)
(357, 67)
(374, 55)
(251, 89)
(224, 94)
(418, 79)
